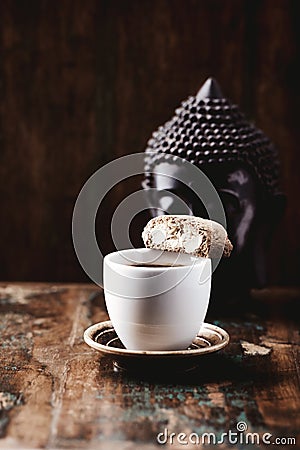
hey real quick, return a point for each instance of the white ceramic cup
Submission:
(156, 307)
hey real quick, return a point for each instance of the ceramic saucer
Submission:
(102, 337)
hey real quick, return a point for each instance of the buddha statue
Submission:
(241, 162)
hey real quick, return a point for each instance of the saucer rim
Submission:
(88, 333)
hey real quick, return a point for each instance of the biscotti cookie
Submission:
(187, 234)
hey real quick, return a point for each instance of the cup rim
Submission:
(191, 260)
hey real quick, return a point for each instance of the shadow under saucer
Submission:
(102, 337)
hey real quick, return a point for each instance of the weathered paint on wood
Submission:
(56, 392)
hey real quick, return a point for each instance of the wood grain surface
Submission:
(82, 83)
(58, 393)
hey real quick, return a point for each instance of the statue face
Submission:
(240, 193)
(237, 188)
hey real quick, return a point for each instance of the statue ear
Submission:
(275, 208)
(272, 214)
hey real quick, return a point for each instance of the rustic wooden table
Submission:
(58, 393)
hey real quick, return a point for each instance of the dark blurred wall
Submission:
(85, 81)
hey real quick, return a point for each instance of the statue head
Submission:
(241, 162)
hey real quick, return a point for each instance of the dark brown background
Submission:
(85, 81)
